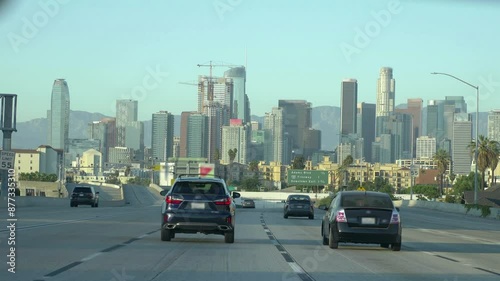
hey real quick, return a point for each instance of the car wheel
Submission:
(384, 245)
(172, 234)
(76, 205)
(285, 216)
(396, 247)
(331, 240)
(96, 205)
(325, 240)
(311, 217)
(92, 205)
(166, 235)
(229, 237)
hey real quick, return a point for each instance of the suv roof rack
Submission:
(196, 175)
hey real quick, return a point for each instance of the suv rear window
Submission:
(82, 189)
(199, 187)
(362, 200)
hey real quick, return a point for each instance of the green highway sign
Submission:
(307, 177)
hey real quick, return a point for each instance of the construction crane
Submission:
(210, 94)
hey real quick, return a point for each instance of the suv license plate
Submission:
(197, 205)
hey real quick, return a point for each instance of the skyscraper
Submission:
(274, 135)
(235, 136)
(494, 125)
(58, 116)
(197, 134)
(414, 108)
(348, 107)
(386, 88)
(183, 145)
(126, 111)
(462, 137)
(240, 107)
(297, 122)
(366, 127)
(214, 112)
(98, 130)
(162, 136)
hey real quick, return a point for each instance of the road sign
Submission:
(7, 160)
(414, 170)
(307, 177)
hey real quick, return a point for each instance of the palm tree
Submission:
(232, 155)
(483, 155)
(494, 153)
(442, 159)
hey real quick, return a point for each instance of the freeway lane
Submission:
(123, 243)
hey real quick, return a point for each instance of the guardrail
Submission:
(447, 207)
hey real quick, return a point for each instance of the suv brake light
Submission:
(173, 200)
(395, 219)
(341, 216)
(224, 201)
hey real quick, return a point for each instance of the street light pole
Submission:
(476, 129)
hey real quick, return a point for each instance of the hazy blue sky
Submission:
(299, 49)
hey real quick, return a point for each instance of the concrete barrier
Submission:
(446, 207)
(277, 195)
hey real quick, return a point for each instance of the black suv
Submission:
(84, 195)
(198, 205)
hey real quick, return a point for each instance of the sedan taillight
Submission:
(224, 201)
(395, 218)
(341, 216)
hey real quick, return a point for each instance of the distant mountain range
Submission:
(33, 133)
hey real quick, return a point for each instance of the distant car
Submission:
(298, 205)
(362, 217)
(84, 195)
(198, 205)
(248, 203)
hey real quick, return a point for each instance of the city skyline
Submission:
(154, 62)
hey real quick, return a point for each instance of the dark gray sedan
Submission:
(248, 203)
(298, 205)
(362, 217)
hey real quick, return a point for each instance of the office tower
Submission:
(344, 150)
(235, 136)
(214, 112)
(162, 139)
(99, 130)
(274, 135)
(126, 111)
(494, 125)
(459, 102)
(197, 135)
(58, 115)
(184, 132)
(217, 92)
(297, 122)
(366, 127)
(399, 127)
(385, 92)
(452, 105)
(432, 119)
(462, 138)
(348, 107)
(386, 150)
(134, 137)
(110, 135)
(240, 106)
(426, 147)
(414, 108)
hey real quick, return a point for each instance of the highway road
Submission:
(123, 243)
